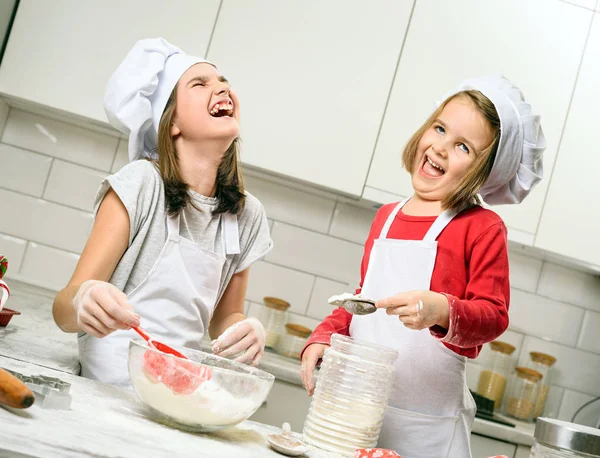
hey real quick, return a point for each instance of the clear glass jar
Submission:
(352, 392)
(522, 394)
(542, 363)
(273, 317)
(493, 378)
(293, 341)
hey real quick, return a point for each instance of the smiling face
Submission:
(448, 148)
(205, 106)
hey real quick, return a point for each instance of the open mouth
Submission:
(431, 168)
(222, 109)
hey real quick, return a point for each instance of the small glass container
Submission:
(351, 396)
(560, 439)
(522, 394)
(293, 341)
(492, 380)
(542, 363)
(273, 317)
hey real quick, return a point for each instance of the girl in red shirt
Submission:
(437, 263)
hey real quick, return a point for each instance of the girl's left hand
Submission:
(418, 309)
(246, 339)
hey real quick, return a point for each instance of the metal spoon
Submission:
(355, 305)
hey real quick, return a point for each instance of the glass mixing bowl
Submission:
(205, 393)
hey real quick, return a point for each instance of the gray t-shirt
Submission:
(140, 188)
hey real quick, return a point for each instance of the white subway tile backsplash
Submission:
(553, 401)
(23, 171)
(351, 222)
(287, 284)
(588, 339)
(303, 320)
(588, 4)
(316, 253)
(318, 307)
(545, 318)
(43, 222)
(73, 185)
(121, 157)
(524, 271)
(572, 401)
(563, 284)
(292, 206)
(55, 138)
(574, 369)
(13, 249)
(48, 266)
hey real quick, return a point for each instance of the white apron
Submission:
(176, 301)
(431, 410)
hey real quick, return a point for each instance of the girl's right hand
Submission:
(102, 308)
(310, 358)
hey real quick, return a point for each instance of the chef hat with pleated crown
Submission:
(518, 165)
(138, 91)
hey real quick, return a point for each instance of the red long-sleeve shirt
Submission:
(471, 270)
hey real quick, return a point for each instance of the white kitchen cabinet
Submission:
(286, 403)
(570, 224)
(313, 79)
(483, 447)
(61, 53)
(538, 44)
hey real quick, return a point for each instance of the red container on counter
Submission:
(375, 453)
(6, 315)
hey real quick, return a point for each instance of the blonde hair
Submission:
(230, 184)
(465, 192)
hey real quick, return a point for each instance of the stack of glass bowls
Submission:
(352, 392)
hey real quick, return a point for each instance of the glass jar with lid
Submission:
(542, 363)
(293, 341)
(273, 317)
(560, 439)
(492, 380)
(522, 393)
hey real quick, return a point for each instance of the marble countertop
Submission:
(106, 421)
(33, 337)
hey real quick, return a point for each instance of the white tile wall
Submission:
(271, 280)
(57, 139)
(351, 223)
(23, 171)
(13, 249)
(588, 4)
(121, 158)
(588, 339)
(545, 318)
(323, 290)
(286, 204)
(318, 250)
(318, 253)
(572, 401)
(562, 284)
(73, 185)
(48, 266)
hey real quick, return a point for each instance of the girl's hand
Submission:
(245, 338)
(418, 309)
(310, 358)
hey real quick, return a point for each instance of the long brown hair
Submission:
(465, 192)
(230, 184)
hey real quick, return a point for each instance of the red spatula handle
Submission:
(142, 333)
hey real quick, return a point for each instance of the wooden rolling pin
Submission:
(13, 392)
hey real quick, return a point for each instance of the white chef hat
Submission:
(518, 164)
(139, 89)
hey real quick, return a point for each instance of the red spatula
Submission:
(181, 375)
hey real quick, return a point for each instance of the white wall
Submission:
(49, 173)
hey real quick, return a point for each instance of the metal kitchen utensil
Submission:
(285, 443)
(356, 305)
(49, 392)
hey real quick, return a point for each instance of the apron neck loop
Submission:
(231, 235)
(434, 231)
(173, 225)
